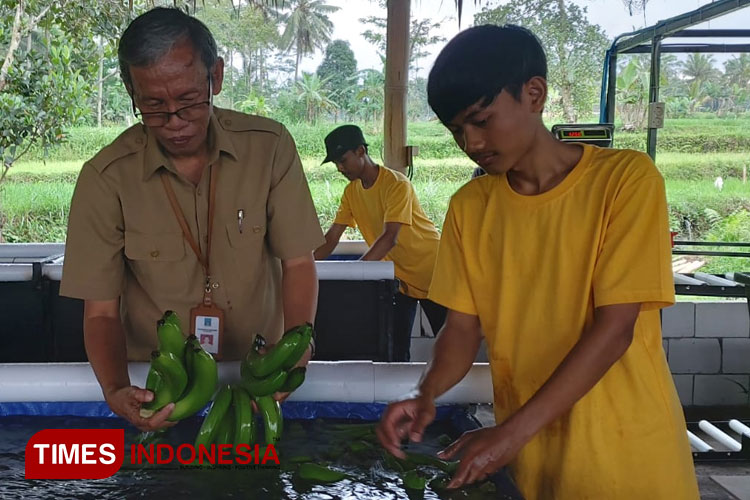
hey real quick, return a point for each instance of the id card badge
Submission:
(207, 323)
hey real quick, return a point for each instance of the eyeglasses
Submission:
(188, 113)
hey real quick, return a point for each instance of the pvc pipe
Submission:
(16, 272)
(681, 279)
(327, 270)
(53, 271)
(354, 270)
(31, 250)
(346, 381)
(714, 280)
(352, 247)
(739, 428)
(719, 435)
(698, 444)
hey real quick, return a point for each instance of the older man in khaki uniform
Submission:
(238, 231)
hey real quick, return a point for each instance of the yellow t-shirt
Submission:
(392, 199)
(533, 268)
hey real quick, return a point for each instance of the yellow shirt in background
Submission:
(533, 268)
(392, 199)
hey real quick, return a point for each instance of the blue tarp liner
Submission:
(290, 409)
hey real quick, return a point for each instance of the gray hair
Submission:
(152, 34)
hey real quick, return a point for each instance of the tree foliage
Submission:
(574, 47)
(339, 72)
(307, 27)
(49, 57)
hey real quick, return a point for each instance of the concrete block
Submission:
(722, 319)
(684, 385)
(694, 356)
(678, 320)
(735, 356)
(723, 390)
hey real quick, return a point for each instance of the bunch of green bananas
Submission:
(273, 371)
(230, 419)
(181, 372)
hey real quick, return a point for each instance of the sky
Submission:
(611, 15)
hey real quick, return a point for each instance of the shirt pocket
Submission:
(253, 232)
(246, 255)
(158, 263)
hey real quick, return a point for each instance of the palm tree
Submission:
(737, 70)
(371, 94)
(307, 28)
(699, 67)
(311, 90)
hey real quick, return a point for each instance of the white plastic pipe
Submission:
(16, 272)
(719, 435)
(350, 247)
(739, 428)
(30, 250)
(327, 270)
(354, 270)
(714, 280)
(698, 444)
(346, 381)
(53, 271)
(681, 279)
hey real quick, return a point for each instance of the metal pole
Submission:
(653, 93)
(612, 88)
(396, 84)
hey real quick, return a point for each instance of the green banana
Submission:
(225, 432)
(191, 344)
(295, 379)
(320, 473)
(257, 387)
(244, 419)
(215, 416)
(170, 338)
(171, 317)
(413, 480)
(263, 365)
(306, 331)
(253, 354)
(173, 381)
(269, 409)
(154, 381)
(203, 378)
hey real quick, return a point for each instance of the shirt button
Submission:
(198, 191)
(215, 285)
(155, 253)
(256, 229)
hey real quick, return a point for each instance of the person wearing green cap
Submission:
(382, 203)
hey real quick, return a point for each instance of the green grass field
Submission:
(35, 198)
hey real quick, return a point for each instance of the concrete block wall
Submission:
(707, 345)
(708, 348)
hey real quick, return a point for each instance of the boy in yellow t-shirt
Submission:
(383, 204)
(560, 259)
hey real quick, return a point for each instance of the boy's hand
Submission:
(126, 402)
(404, 419)
(483, 452)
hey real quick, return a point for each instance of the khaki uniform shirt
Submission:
(124, 239)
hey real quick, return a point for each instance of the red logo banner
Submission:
(75, 453)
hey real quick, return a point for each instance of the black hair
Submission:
(152, 34)
(478, 63)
